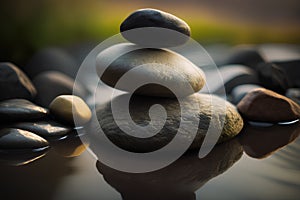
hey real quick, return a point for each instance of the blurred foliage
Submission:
(27, 26)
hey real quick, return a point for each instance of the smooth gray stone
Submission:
(172, 30)
(241, 90)
(231, 75)
(16, 110)
(163, 66)
(248, 56)
(139, 108)
(51, 59)
(51, 84)
(17, 139)
(45, 129)
(273, 77)
(14, 83)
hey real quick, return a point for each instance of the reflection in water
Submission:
(260, 142)
(177, 181)
(19, 157)
(40, 179)
(71, 145)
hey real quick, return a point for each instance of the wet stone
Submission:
(167, 68)
(264, 105)
(197, 104)
(14, 83)
(17, 139)
(45, 129)
(16, 110)
(70, 108)
(168, 29)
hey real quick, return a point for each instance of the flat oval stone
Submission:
(267, 106)
(161, 65)
(14, 83)
(51, 84)
(46, 129)
(15, 110)
(169, 30)
(67, 108)
(14, 139)
(139, 108)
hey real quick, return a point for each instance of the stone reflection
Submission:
(177, 181)
(71, 145)
(261, 142)
(18, 158)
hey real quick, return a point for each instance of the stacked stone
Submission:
(168, 68)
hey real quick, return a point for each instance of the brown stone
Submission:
(268, 106)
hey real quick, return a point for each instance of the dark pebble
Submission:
(17, 139)
(14, 83)
(272, 77)
(264, 105)
(292, 69)
(45, 129)
(172, 30)
(17, 110)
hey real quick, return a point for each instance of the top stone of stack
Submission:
(155, 28)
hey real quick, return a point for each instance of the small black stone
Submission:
(14, 83)
(16, 110)
(17, 139)
(46, 129)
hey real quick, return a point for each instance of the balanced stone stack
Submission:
(168, 68)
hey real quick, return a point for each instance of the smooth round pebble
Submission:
(14, 83)
(139, 109)
(17, 139)
(46, 129)
(70, 109)
(51, 84)
(16, 110)
(155, 28)
(159, 65)
(264, 105)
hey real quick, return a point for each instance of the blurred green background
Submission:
(27, 26)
